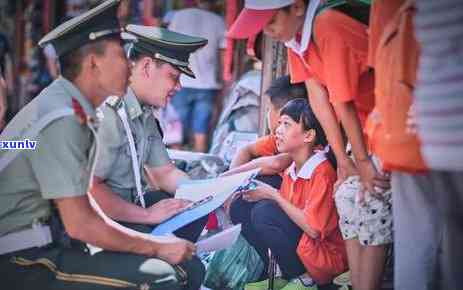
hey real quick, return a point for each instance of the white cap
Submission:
(266, 4)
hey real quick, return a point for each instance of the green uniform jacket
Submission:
(114, 164)
(61, 164)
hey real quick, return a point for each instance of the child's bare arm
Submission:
(297, 216)
(269, 165)
(325, 114)
(244, 155)
(350, 121)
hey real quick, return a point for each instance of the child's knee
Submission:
(264, 215)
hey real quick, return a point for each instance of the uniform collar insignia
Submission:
(79, 112)
(82, 117)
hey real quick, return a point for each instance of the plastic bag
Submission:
(232, 268)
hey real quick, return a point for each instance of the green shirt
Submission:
(60, 166)
(114, 164)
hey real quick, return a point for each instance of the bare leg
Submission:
(353, 248)
(200, 142)
(372, 262)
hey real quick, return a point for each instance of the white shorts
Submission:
(370, 222)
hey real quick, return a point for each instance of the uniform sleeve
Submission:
(110, 138)
(266, 146)
(158, 155)
(320, 209)
(341, 67)
(60, 162)
(297, 70)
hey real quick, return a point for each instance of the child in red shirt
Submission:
(299, 223)
(328, 49)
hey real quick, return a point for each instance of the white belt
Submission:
(37, 236)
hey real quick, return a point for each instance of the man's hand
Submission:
(263, 191)
(175, 253)
(166, 209)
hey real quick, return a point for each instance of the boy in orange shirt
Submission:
(299, 223)
(327, 49)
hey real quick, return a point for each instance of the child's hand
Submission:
(314, 234)
(346, 168)
(373, 182)
(262, 191)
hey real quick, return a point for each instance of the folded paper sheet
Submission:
(219, 241)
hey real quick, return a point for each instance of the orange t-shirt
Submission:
(397, 54)
(266, 146)
(326, 257)
(337, 58)
(381, 13)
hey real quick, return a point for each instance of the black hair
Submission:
(300, 111)
(281, 91)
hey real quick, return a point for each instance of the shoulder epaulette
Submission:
(114, 102)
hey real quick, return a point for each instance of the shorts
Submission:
(371, 222)
(195, 106)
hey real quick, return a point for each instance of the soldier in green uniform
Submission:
(124, 169)
(35, 252)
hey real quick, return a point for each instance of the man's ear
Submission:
(91, 63)
(309, 136)
(299, 7)
(146, 64)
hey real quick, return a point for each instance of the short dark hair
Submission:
(71, 62)
(281, 91)
(300, 111)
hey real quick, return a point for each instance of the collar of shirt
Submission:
(308, 168)
(133, 106)
(76, 94)
(300, 47)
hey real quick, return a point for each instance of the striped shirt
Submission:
(439, 91)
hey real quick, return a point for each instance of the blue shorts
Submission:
(194, 106)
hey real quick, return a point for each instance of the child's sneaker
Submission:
(278, 284)
(297, 284)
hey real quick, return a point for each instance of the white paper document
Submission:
(208, 195)
(220, 241)
(200, 189)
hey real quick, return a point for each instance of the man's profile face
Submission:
(113, 69)
(163, 82)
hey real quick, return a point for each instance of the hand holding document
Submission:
(220, 189)
(220, 241)
(196, 190)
